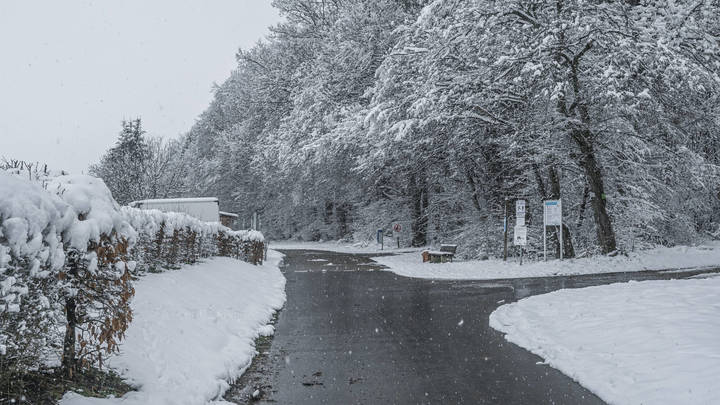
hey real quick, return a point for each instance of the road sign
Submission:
(552, 216)
(520, 212)
(553, 212)
(396, 232)
(520, 237)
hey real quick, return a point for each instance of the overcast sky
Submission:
(71, 71)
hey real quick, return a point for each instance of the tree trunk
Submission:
(475, 194)
(540, 182)
(603, 225)
(583, 138)
(583, 205)
(419, 196)
(568, 248)
(329, 211)
(341, 215)
(68, 358)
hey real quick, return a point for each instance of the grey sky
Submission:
(71, 70)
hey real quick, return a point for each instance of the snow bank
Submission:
(194, 330)
(651, 342)
(411, 265)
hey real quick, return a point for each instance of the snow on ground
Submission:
(411, 265)
(341, 247)
(650, 342)
(194, 330)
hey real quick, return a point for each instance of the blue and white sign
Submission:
(553, 212)
(552, 216)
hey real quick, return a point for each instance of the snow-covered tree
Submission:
(123, 166)
(354, 115)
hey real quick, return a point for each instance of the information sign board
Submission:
(520, 212)
(520, 237)
(553, 212)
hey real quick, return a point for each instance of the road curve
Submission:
(353, 334)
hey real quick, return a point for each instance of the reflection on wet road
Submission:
(352, 334)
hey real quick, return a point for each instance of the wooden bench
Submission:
(445, 254)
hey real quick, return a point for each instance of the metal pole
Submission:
(544, 233)
(561, 231)
(505, 231)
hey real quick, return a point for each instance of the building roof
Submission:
(228, 214)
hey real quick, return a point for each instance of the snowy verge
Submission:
(341, 247)
(411, 265)
(194, 330)
(650, 342)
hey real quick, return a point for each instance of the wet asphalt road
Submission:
(351, 334)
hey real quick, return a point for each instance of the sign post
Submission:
(505, 231)
(520, 239)
(552, 216)
(520, 234)
(380, 238)
(396, 230)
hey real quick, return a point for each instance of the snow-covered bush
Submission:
(67, 254)
(32, 222)
(95, 282)
(166, 240)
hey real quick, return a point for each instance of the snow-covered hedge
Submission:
(32, 255)
(166, 240)
(95, 283)
(66, 258)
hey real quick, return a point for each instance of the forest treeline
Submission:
(356, 114)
